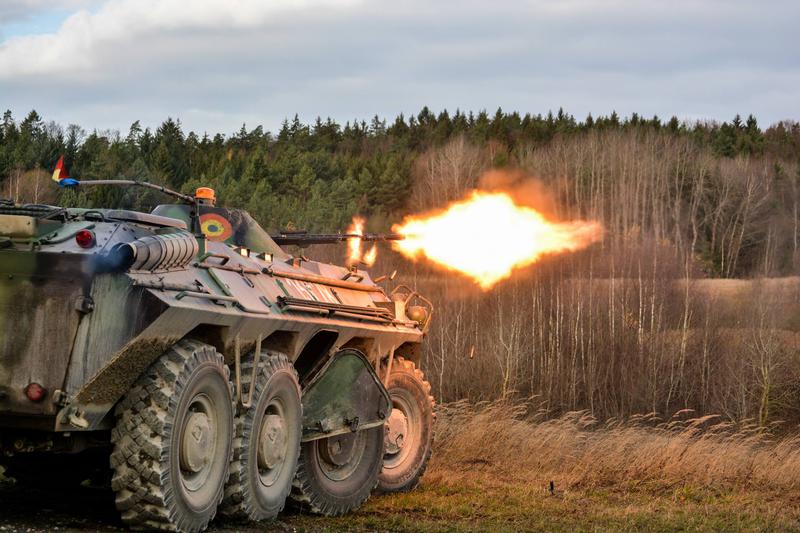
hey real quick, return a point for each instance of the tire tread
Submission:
(238, 500)
(402, 364)
(141, 440)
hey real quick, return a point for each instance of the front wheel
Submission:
(409, 429)
(172, 441)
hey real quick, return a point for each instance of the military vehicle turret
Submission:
(215, 370)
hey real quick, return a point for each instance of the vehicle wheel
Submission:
(266, 444)
(172, 441)
(337, 474)
(409, 429)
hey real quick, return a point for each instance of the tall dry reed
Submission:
(576, 450)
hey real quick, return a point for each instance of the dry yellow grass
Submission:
(576, 451)
(493, 464)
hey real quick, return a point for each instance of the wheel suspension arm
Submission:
(238, 371)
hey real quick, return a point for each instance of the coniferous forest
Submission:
(317, 176)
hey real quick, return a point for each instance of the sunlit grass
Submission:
(480, 502)
(494, 463)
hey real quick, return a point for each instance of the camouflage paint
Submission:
(90, 333)
(38, 294)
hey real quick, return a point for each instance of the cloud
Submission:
(217, 64)
(14, 10)
(87, 42)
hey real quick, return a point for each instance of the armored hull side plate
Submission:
(345, 396)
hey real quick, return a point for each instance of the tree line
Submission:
(317, 176)
(701, 181)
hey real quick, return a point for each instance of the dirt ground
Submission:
(79, 510)
(447, 501)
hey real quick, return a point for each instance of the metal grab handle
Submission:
(193, 294)
(206, 255)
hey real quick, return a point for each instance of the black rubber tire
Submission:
(277, 391)
(409, 390)
(151, 492)
(315, 491)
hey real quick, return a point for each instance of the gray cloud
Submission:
(218, 66)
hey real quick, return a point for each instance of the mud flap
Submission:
(346, 395)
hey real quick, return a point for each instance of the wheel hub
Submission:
(197, 443)
(339, 450)
(396, 431)
(272, 442)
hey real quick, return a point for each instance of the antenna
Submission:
(185, 197)
(191, 200)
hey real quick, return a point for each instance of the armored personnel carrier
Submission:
(213, 369)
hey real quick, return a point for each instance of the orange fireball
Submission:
(354, 245)
(487, 236)
(371, 255)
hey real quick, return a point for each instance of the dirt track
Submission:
(78, 510)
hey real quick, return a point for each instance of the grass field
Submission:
(492, 471)
(494, 463)
(480, 501)
(476, 501)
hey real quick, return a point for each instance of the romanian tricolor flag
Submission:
(61, 176)
(60, 173)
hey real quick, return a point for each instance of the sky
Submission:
(216, 65)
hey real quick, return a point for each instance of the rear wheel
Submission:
(336, 475)
(267, 440)
(409, 429)
(172, 442)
